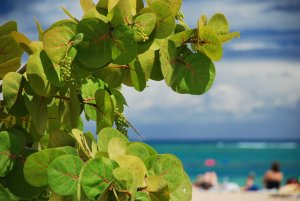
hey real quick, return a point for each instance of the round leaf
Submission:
(10, 149)
(138, 149)
(97, 176)
(168, 61)
(63, 174)
(18, 185)
(165, 19)
(175, 5)
(168, 167)
(117, 147)
(219, 24)
(124, 180)
(12, 86)
(137, 75)
(210, 43)
(195, 75)
(57, 42)
(105, 135)
(184, 191)
(39, 162)
(142, 196)
(135, 165)
(146, 22)
(95, 49)
(112, 74)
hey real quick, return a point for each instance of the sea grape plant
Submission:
(76, 69)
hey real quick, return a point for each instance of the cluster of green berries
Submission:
(65, 68)
(139, 31)
(122, 124)
(179, 16)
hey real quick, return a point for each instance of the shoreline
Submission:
(200, 195)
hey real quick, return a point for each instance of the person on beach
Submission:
(207, 181)
(250, 185)
(273, 177)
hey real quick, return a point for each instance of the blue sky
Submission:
(256, 93)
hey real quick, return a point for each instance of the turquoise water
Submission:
(234, 160)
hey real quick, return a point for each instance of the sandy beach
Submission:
(199, 195)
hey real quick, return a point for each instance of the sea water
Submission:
(234, 159)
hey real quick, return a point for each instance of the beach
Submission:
(199, 195)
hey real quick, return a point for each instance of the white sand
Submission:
(236, 196)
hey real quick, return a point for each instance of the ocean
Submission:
(234, 159)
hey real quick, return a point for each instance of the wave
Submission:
(267, 145)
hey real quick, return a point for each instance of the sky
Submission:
(256, 93)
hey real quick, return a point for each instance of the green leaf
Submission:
(95, 49)
(167, 167)
(195, 74)
(121, 14)
(219, 24)
(138, 149)
(9, 66)
(146, 22)
(106, 135)
(184, 191)
(88, 90)
(174, 5)
(74, 107)
(93, 13)
(228, 37)
(137, 75)
(156, 71)
(147, 62)
(112, 4)
(37, 108)
(57, 42)
(142, 196)
(86, 5)
(8, 27)
(9, 49)
(37, 66)
(4, 194)
(165, 19)
(12, 86)
(81, 140)
(97, 176)
(155, 183)
(135, 165)
(117, 147)
(59, 138)
(124, 48)
(105, 109)
(180, 38)
(22, 40)
(39, 162)
(10, 149)
(63, 174)
(112, 74)
(136, 6)
(210, 43)
(168, 61)
(125, 180)
(18, 185)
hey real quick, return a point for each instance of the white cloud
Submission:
(243, 90)
(254, 45)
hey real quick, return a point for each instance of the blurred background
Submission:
(249, 118)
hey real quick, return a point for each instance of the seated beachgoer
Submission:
(273, 177)
(250, 185)
(207, 181)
